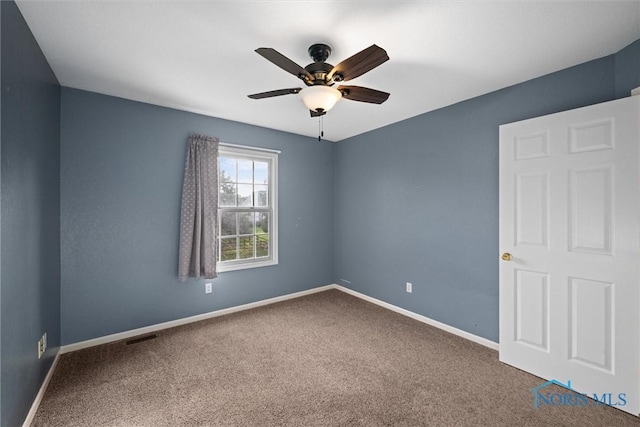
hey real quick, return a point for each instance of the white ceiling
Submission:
(199, 56)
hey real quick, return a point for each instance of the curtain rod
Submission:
(268, 150)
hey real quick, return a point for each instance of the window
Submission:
(247, 208)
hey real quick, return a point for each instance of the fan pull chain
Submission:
(320, 128)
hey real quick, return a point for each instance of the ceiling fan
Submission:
(319, 96)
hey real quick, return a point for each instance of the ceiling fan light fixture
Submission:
(320, 98)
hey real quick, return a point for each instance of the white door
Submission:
(569, 213)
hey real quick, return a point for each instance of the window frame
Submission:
(261, 155)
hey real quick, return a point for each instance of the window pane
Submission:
(228, 225)
(227, 194)
(245, 222)
(245, 171)
(261, 172)
(245, 195)
(228, 249)
(227, 181)
(262, 245)
(227, 169)
(261, 195)
(262, 222)
(246, 247)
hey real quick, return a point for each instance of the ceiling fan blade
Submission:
(358, 64)
(363, 94)
(283, 62)
(272, 93)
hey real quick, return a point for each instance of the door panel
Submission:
(532, 309)
(569, 212)
(591, 136)
(591, 210)
(591, 323)
(531, 216)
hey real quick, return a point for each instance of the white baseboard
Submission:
(459, 332)
(43, 388)
(173, 323)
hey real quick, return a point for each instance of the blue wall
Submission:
(627, 69)
(29, 215)
(122, 168)
(417, 201)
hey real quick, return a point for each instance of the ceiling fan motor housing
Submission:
(319, 69)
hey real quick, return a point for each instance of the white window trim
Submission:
(272, 157)
(228, 147)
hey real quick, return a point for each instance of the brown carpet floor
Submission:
(327, 359)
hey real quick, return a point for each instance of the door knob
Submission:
(507, 256)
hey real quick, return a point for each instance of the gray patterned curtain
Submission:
(198, 247)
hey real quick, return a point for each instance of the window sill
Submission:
(244, 265)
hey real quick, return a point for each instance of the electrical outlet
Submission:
(42, 346)
(208, 288)
(409, 287)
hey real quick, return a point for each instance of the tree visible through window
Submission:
(247, 226)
